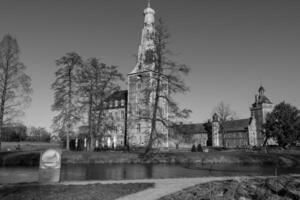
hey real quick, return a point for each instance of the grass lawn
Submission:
(71, 192)
(28, 146)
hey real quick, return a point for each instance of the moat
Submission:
(143, 171)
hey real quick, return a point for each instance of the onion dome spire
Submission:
(261, 90)
(149, 15)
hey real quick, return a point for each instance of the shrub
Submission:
(199, 148)
(193, 148)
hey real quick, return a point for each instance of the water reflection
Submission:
(141, 171)
(19, 174)
(107, 172)
(146, 171)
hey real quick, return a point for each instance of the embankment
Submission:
(31, 158)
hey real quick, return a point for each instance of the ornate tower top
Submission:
(261, 98)
(261, 90)
(146, 51)
(149, 15)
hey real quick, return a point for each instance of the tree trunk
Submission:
(1, 123)
(265, 145)
(90, 118)
(92, 143)
(68, 138)
(69, 107)
(154, 116)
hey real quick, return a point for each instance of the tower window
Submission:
(149, 56)
(117, 115)
(139, 86)
(138, 128)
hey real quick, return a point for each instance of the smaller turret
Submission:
(215, 118)
(215, 130)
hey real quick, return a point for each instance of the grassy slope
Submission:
(28, 146)
(236, 157)
(282, 187)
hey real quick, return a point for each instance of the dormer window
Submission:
(116, 103)
(111, 104)
(122, 102)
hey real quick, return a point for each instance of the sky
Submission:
(231, 46)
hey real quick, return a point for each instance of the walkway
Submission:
(162, 187)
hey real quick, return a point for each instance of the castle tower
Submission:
(259, 110)
(139, 79)
(215, 131)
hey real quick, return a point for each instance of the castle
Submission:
(126, 107)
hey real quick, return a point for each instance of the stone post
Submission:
(50, 164)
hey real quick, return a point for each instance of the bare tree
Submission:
(97, 82)
(66, 95)
(225, 113)
(161, 110)
(15, 84)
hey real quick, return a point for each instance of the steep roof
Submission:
(118, 95)
(190, 128)
(230, 126)
(263, 99)
(237, 125)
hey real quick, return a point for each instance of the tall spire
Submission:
(146, 49)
